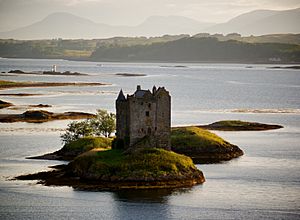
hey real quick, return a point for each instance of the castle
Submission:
(144, 115)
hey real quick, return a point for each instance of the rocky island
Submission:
(114, 169)
(202, 146)
(145, 158)
(236, 125)
(4, 104)
(199, 144)
(12, 84)
(130, 74)
(140, 160)
(285, 67)
(39, 116)
(55, 73)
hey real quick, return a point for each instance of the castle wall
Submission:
(145, 114)
(142, 118)
(163, 112)
(122, 119)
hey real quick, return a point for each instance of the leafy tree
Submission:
(104, 123)
(76, 130)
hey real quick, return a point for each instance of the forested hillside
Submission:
(178, 48)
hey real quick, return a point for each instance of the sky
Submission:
(18, 13)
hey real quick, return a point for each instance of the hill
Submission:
(168, 48)
(69, 26)
(201, 50)
(261, 22)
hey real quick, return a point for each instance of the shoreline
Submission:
(41, 73)
(61, 176)
(153, 61)
(236, 125)
(40, 116)
(16, 84)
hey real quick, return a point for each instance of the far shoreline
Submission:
(155, 61)
(18, 84)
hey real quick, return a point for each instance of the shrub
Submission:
(103, 124)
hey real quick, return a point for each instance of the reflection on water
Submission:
(147, 195)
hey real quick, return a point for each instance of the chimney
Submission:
(154, 90)
(138, 88)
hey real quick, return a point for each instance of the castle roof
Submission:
(161, 90)
(141, 93)
(121, 96)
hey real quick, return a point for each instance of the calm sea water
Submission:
(263, 184)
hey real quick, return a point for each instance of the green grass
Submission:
(143, 164)
(231, 123)
(7, 83)
(236, 125)
(87, 143)
(77, 53)
(194, 137)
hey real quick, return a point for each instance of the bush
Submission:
(103, 124)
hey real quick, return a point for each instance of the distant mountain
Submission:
(59, 25)
(69, 26)
(261, 22)
(65, 25)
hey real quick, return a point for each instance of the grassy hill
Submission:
(178, 48)
(200, 50)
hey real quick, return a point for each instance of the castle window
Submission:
(142, 103)
(149, 105)
(155, 128)
(147, 113)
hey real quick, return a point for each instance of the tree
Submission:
(104, 123)
(76, 130)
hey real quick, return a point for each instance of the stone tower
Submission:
(144, 115)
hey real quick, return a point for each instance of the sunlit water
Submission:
(262, 184)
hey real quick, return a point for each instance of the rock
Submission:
(40, 106)
(37, 115)
(4, 104)
(16, 71)
(130, 74)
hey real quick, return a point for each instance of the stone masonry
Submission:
(144, 115)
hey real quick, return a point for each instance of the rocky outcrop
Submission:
(113, 169)
(4, 104)
(236, 125)
(66, 73)
(39, 116)
(202, 146)
(12, 84)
